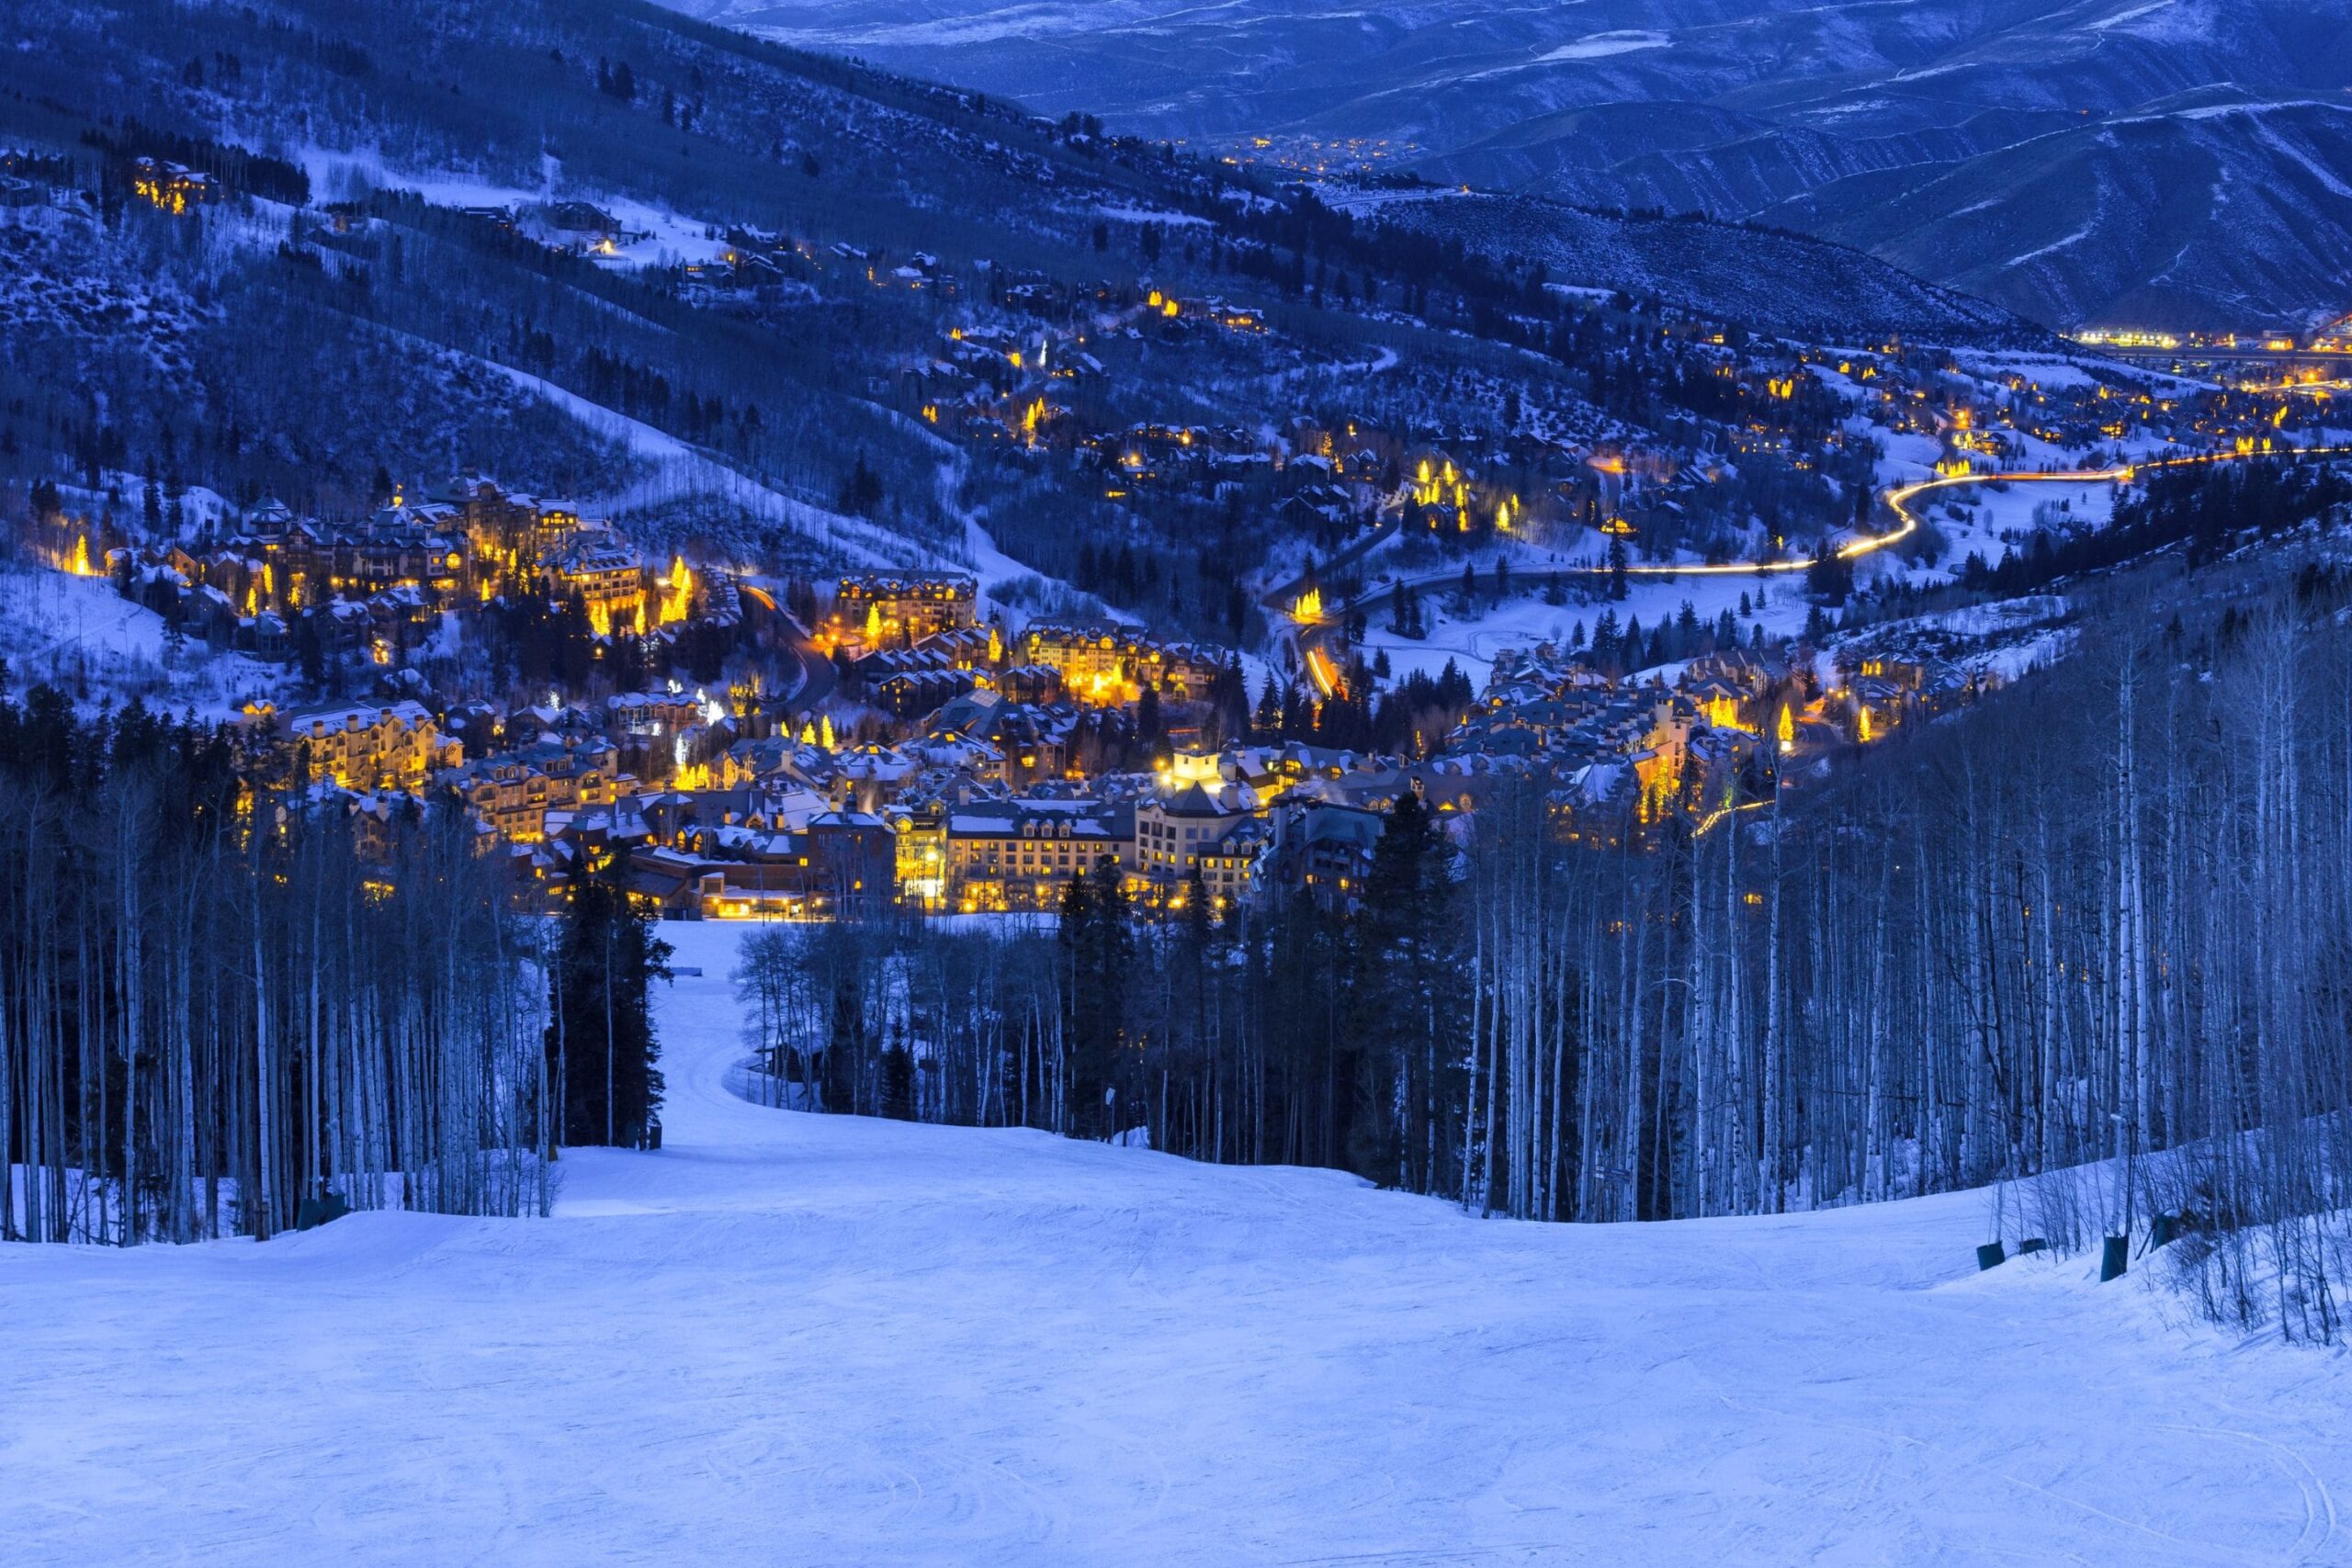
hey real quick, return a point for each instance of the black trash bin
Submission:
(2114, 1258)
(1989, 1256)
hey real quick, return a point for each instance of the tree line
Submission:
(2099, 915)
(219, 1006)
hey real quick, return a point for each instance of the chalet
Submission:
(608, 577)
(652, 714)
(175, 187)
(1108, 665)
(364, 745)
(1195, 824)
(1021, 854)
(513, 793)
(880, 609)
(1326, 850)
(582, 222)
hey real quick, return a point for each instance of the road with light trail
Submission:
(1309, 636)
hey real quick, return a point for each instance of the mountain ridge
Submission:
(1740, 110)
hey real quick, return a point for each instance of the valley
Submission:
(887, 781)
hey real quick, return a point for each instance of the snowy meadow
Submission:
(801, 1339)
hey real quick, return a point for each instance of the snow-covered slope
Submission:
(799, 1340)
(1935, 133)
(1774, 282)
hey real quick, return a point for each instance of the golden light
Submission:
(1323, 672)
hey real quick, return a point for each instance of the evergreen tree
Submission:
(1410, 1004)
(1147, 722)
(1097, 939)
(862, 489)
(601, 1053)
(898, 1081)
(1830, 578)
(1268, 721)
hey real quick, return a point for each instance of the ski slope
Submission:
(796, 1340)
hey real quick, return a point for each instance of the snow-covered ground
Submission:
(81, 635)
(667, 236)
(803, 1341)
(1472, 642)
(1985, 519)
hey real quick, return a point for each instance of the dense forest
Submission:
(219, 1007)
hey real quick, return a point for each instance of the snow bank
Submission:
(1600, 46)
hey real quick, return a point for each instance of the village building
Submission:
(882, 611)
(362, 746)
(1021, 854)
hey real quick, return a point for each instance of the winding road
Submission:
(1309, 636)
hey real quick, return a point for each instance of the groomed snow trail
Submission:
(800, 1340)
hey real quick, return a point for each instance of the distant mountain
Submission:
(2214, 214)
(1776, 282)
(1861, 121)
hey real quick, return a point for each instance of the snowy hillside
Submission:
(1775, 282)
(1939, 135)
(804, 1340)
(80, 635)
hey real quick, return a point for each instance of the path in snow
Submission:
(800, 1340)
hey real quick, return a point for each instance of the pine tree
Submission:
(1147, 722)
(601, 1051)
(1097, 940)
(1410, 1002)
